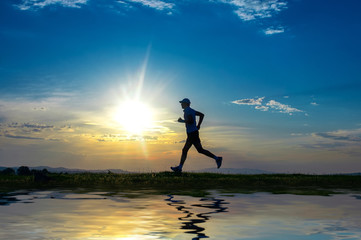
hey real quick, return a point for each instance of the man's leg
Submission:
(200, 149)
(185, 149)
(197, 144)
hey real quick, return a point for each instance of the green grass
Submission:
(195, 184)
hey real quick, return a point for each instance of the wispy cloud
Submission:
(249, 101)
(272, 104)
(23, 137)
(283, 108)
(33, 126)
(343, 141)
(298, 134)
(124, 138)
(272, 30)
(37, 126)
(328, 146)
(155, 4)
(248, 10)
(32, 131)
(37, 4)
(341, 135)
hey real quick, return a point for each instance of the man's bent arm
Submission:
(181, 120)
(188, 119)
(201, 116)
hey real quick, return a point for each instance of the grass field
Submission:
(188, 183)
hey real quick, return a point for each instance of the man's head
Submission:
(185, 103)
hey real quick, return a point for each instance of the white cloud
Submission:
(249, 101)
(36, 4)
(272, 104)
(283, 108)
(156, 4)
(248, 10)
(314, 104)
(271, 31)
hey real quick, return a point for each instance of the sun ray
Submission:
(142, 73)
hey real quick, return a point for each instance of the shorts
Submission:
(193, 138)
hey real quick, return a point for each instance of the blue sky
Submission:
(279, 82)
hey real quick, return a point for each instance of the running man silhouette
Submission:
(193, 135)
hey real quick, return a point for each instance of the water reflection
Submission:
(191, 221)
(80, 215)
(357, 197)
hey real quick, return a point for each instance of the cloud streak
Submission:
(248, 10)
(249, 101)
(36, 126)
(272, 104)
(38, 4)
(22, 137)
(30, 131)
(158, 5)
(272, 31)
(125, 138)
(342, 141)
(282, 108)
(341, 135)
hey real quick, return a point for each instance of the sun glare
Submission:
(134, 116)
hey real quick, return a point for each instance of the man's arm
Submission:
(181, 120)
(201, 116)
(188, 120)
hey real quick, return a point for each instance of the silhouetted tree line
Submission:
(39, 175)
(7, 171)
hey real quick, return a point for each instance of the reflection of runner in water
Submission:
(191, 222)
(193, 135)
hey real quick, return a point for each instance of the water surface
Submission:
(65, 214)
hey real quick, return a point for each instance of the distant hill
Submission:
(234, 171)
(69, 170)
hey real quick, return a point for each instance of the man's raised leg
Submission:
(200, 149)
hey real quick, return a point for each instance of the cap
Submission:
(185, 100)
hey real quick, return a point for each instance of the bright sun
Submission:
(134, 116)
